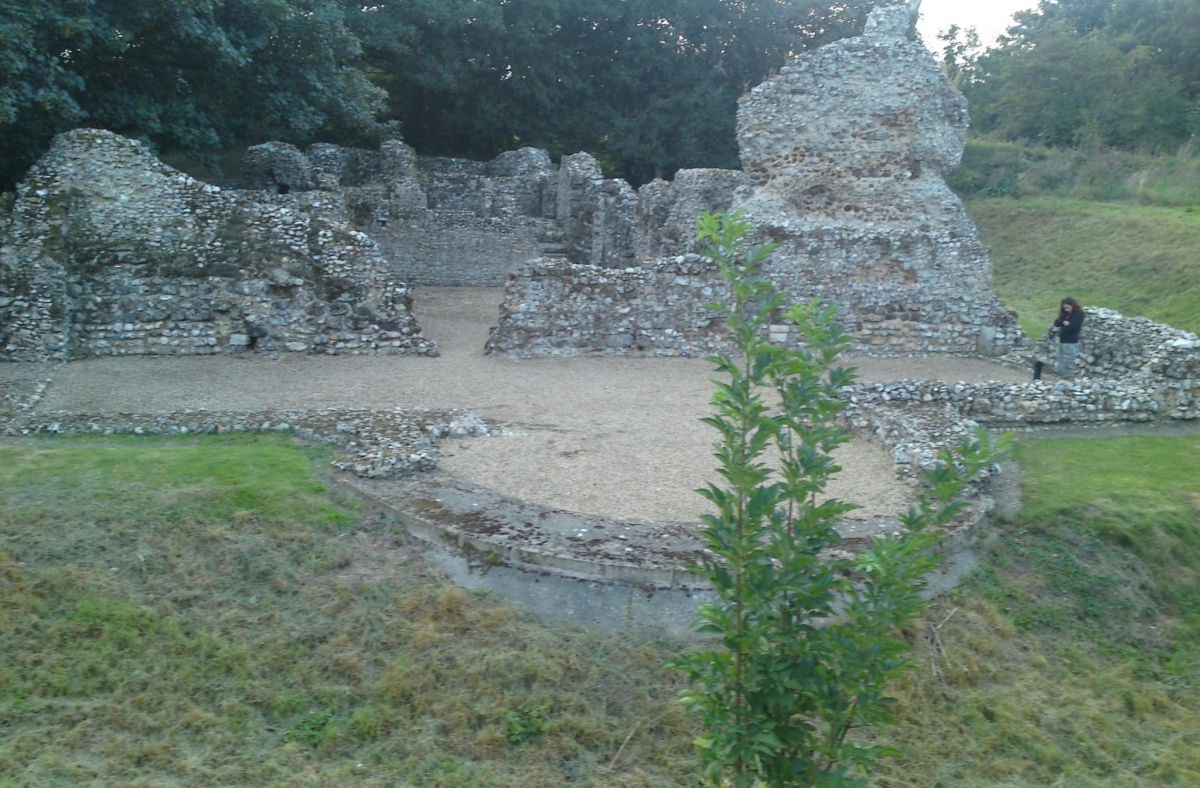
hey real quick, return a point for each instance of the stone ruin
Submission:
(1131, 371)
(107, 251)
(843, 157)
(437, 221)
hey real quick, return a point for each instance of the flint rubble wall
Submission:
(111, 252)
(438, 221)
(1114, 346)
(661, 308)
(843, 158)
(1132, 371)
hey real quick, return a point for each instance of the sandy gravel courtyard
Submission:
(617, 437)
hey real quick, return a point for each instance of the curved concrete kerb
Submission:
(613, 575)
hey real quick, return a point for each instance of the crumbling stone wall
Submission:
(111, 252)
(564, 309)
(1145, 373)
(442, 221)
(598, 215)
(438, 221)
(668, 210)
(1114, 346)
(843, 157)
(847, 149)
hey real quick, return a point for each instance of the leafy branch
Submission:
(807, 641)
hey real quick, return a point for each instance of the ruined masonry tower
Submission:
(843, 155)
(847, 150)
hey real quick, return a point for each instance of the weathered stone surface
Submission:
(843, 156)
(111, 252)
(661, 308)
(844, 153)
(448, 222)
(1114, 346)
(276, 166)
(668, 210)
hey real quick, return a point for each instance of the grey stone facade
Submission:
(843, 157)
(564, 309)
(437, 221)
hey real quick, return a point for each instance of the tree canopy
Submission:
(646, 85)
(186, 74)
(1122, 73)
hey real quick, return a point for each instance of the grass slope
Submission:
(1071, 658)
(201, 612)
(1138, 260)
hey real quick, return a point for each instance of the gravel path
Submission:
(616, 437)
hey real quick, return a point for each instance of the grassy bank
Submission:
(992, 168)
(1072, 656)
(1136, 259)
(201, 611)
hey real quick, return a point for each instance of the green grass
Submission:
(202, 611)
(992, 168)
(1071, 658)
(1138, 260)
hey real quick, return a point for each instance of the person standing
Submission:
(1070, 323)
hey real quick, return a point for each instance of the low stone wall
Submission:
(662, 308)
(1112, 345)
(522, 182)
(375, 444)
(562, 309)
(917, 419)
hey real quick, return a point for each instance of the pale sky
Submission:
(990, 17)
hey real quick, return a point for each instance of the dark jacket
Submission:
(1070, 327)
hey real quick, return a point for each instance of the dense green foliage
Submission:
(648, 86)
(1122, 73)
(807, 641)
(185, 74)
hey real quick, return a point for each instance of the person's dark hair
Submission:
(1075, 307)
